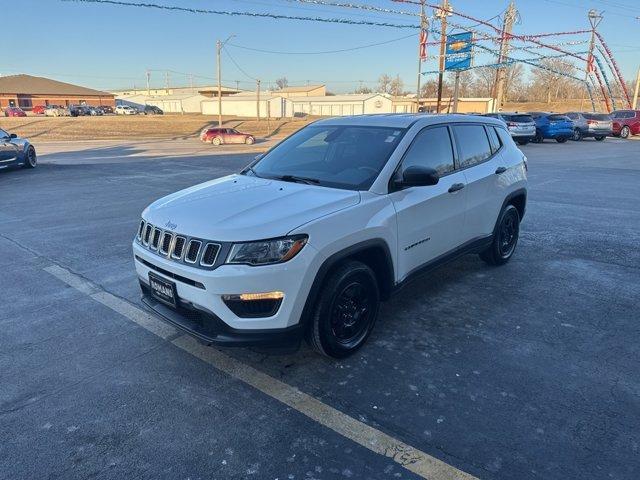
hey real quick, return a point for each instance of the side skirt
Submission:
(473, 246)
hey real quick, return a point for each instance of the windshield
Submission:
(596, 116)
(348, 157)
(519, 118)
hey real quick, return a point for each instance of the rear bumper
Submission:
(210, 329)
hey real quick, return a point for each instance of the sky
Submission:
(111, 46)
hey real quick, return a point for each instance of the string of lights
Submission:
(234, 13)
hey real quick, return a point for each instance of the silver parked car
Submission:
(590, 124)
(521, 126)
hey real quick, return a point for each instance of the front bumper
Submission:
(203, 291)
(210, 329)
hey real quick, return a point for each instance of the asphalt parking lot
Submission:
(526, 371)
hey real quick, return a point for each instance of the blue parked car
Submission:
(552, 125)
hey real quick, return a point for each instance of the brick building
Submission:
(26, 91)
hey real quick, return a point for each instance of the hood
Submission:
(243, 208)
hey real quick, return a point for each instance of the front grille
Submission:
(192, 251)
(166, 243)
(155, 238)
(209, 254)
(147, 233)
(180, 248)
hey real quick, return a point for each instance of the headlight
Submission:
(267, 252)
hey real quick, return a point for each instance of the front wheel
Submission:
(538, 138)
(561, 139)
(523, 142)
(624, 133)
(505, 238)
(216, 141)
(32, 159)
(600, 138)
(577, 135)
(249, 140)
(346, 310)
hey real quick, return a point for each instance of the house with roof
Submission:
(27, 91)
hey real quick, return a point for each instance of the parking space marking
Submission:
(408, 457)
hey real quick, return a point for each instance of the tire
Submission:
(523, 142)
(32, 159)
(625, 132)
(538, 138)
(577, 135)
(561, 139)
(346, 310)
(600, 138)
(249, 140)
(216, 141)
(505, 237)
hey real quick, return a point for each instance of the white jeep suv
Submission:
(308, 239)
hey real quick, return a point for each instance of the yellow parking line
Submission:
(410, 458)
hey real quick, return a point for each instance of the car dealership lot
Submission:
(525, 371)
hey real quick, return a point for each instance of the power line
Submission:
(324, 51)
(344, 21)
(238, 66)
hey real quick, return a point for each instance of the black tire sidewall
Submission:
(27, 163)
(323, 339)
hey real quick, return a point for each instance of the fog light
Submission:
(248, 305)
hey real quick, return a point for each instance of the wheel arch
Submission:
(374, 253)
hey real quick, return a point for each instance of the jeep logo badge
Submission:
(170, 226)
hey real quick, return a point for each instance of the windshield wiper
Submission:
(296, 179)
(250, 169)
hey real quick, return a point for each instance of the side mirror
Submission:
(416, 176)
(13, 135)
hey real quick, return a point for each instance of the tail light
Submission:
(512, 124)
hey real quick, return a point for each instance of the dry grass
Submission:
(138, 126)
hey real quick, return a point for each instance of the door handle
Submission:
(500, 170)
(455, 187)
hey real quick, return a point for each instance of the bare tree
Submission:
(384, 83)
(362, 89)
(396, 86)
(552, 81)
(282, 83)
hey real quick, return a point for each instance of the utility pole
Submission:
(501, 74)
(595, 18)
(219, 46)
(422, 40)
(166, 80)
(191, 81)
(635, 92)
(257, 100)
(442, 13)
(456, 90)
(148, 83)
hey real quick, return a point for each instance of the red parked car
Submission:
(626, 123)
(38, 109)
(218, 136)
(14, 112)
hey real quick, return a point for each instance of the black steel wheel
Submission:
(505, 237)
(346, 310)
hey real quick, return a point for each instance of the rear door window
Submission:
(473, 144)
(493, 139)
(503, 135)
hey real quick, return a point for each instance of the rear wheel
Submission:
(505, 238)
(561, 139)
(577, 135)
(346, 310)
(624, 133)
(31, 159)
(523, 142)
(600, 138)
(216, 141)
